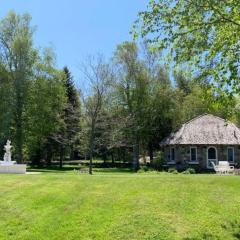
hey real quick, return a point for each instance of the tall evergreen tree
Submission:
(72, 111)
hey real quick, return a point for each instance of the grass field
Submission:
(119, 206)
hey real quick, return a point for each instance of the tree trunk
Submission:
(150, 151)
(19, 154)
(112, 155)
(71, 155)
(19, 133)
(136, 154)
(104, 159)
(49, 155)
(124, 156)
(61, 157)
(19, 88)
(91, 152)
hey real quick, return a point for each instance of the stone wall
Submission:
(182, 154)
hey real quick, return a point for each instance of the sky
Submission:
(78, 28)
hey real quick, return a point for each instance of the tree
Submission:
(6, 113)
(183, 82)
(44, 109)
(17, 56)
(99, 75)
(194, 98)
(72, 112)
(203, 34)
(160, 103)
(132, 91)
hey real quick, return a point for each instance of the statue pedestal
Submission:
(9, 166)
(15, 168)
(9, 163)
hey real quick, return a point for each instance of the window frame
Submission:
(190, 160)
(233, 154)
(209, 166)
(170, 155)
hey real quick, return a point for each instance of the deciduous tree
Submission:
(202, 34)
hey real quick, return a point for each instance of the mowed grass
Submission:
(119, 206)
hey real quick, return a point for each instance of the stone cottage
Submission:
(200, 141)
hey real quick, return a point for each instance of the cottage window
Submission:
(212, 153)
(211, 157)
(230, 154)
(193, 154)
(172, 154)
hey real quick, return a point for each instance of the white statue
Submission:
(7, 155)
(9, 166)
(7, 160)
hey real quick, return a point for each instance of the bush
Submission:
(173, 170)
(146, 169)
(189, 171)
(143, 169)
(158, 160)
(140, 170)
(192, 170)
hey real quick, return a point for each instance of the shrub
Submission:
(158, 160)
(146, 169)
(192, 170)
(143, 169)
(189, 171)
(140, 170)
(173, 170)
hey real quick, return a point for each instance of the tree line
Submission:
(130, 103)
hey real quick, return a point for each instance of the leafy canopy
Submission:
(203, 34)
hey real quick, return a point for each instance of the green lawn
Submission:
(119, 206)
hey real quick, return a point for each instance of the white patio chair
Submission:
(223, 167)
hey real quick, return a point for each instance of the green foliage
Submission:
(189, 171)
(32, 90)
(141, 170)
(173, 170)
(145, 168)
(133, 102)
(45, 105)
(158, 160)
(17, 58)
(202, 34)
(145, 97)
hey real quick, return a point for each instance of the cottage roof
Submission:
(205, 129)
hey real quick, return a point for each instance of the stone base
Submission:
(16, 168)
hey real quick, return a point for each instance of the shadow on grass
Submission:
(69, 168)
(113, 170)
(53, 169)
(233, 227)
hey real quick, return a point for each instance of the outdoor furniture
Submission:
(237, 171)
(223, 167)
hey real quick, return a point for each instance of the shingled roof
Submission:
(205, 129)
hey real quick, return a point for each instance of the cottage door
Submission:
(211, 157)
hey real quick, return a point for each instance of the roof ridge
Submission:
(211, 130)
(236, 128)
(199, 116)
(204, 114)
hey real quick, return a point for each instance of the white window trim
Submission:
(211, 167)
(190, 157)
(170, 161)
(233, 154)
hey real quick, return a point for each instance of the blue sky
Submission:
(78, 28)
